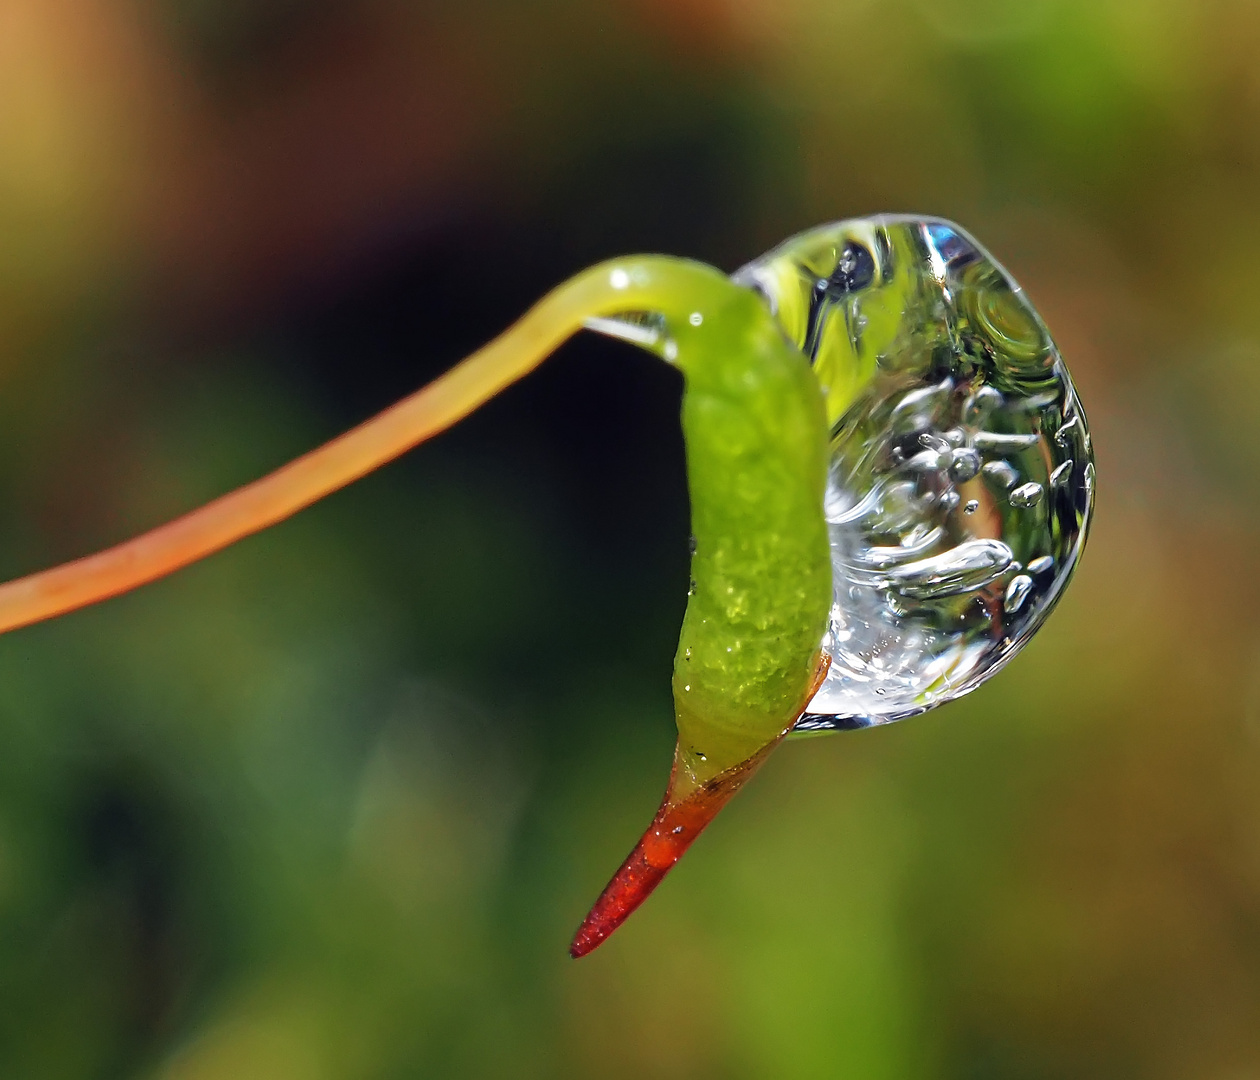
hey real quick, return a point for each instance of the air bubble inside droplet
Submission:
(1001, 472)
(1027, 495)
(1016, 593)
(968, 402)
(961, 569)
(983, 401)
(934, 442)
(964, 464)
(1067, 431)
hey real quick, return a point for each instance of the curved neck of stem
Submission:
(660, 284)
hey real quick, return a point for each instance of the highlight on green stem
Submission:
(890, 474)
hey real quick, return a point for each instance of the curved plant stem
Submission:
(649, 283)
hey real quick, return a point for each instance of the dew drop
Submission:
(967, 384)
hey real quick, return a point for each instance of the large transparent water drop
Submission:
(961, 481)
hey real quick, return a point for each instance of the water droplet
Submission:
(1001, 472)
(1016, 593)
(691, 545)
(687, 687)
(670, 350)
(702, 756)
(965, 463)
(1062, 474)
(1027, 494)
(965, 378)
(687, 654)
(695, 318)
(677, 830)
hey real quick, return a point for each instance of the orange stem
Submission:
(642, 283)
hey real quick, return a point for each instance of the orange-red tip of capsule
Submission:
(677, 824)
(685, 811)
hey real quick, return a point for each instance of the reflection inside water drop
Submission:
(960, 456)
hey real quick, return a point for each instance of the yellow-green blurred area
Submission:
(330, 804)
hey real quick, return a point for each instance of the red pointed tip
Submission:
(631, 885)
(676, 826)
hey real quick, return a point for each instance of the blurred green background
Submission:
(331, 804)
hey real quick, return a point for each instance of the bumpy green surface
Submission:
(755, 426)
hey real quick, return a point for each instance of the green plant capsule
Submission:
(754, 422)
(755, 426)
(886, 368)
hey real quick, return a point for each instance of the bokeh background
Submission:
(330, 804)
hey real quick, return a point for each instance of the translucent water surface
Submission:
(962, 476)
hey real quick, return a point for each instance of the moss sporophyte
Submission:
(890, 475)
